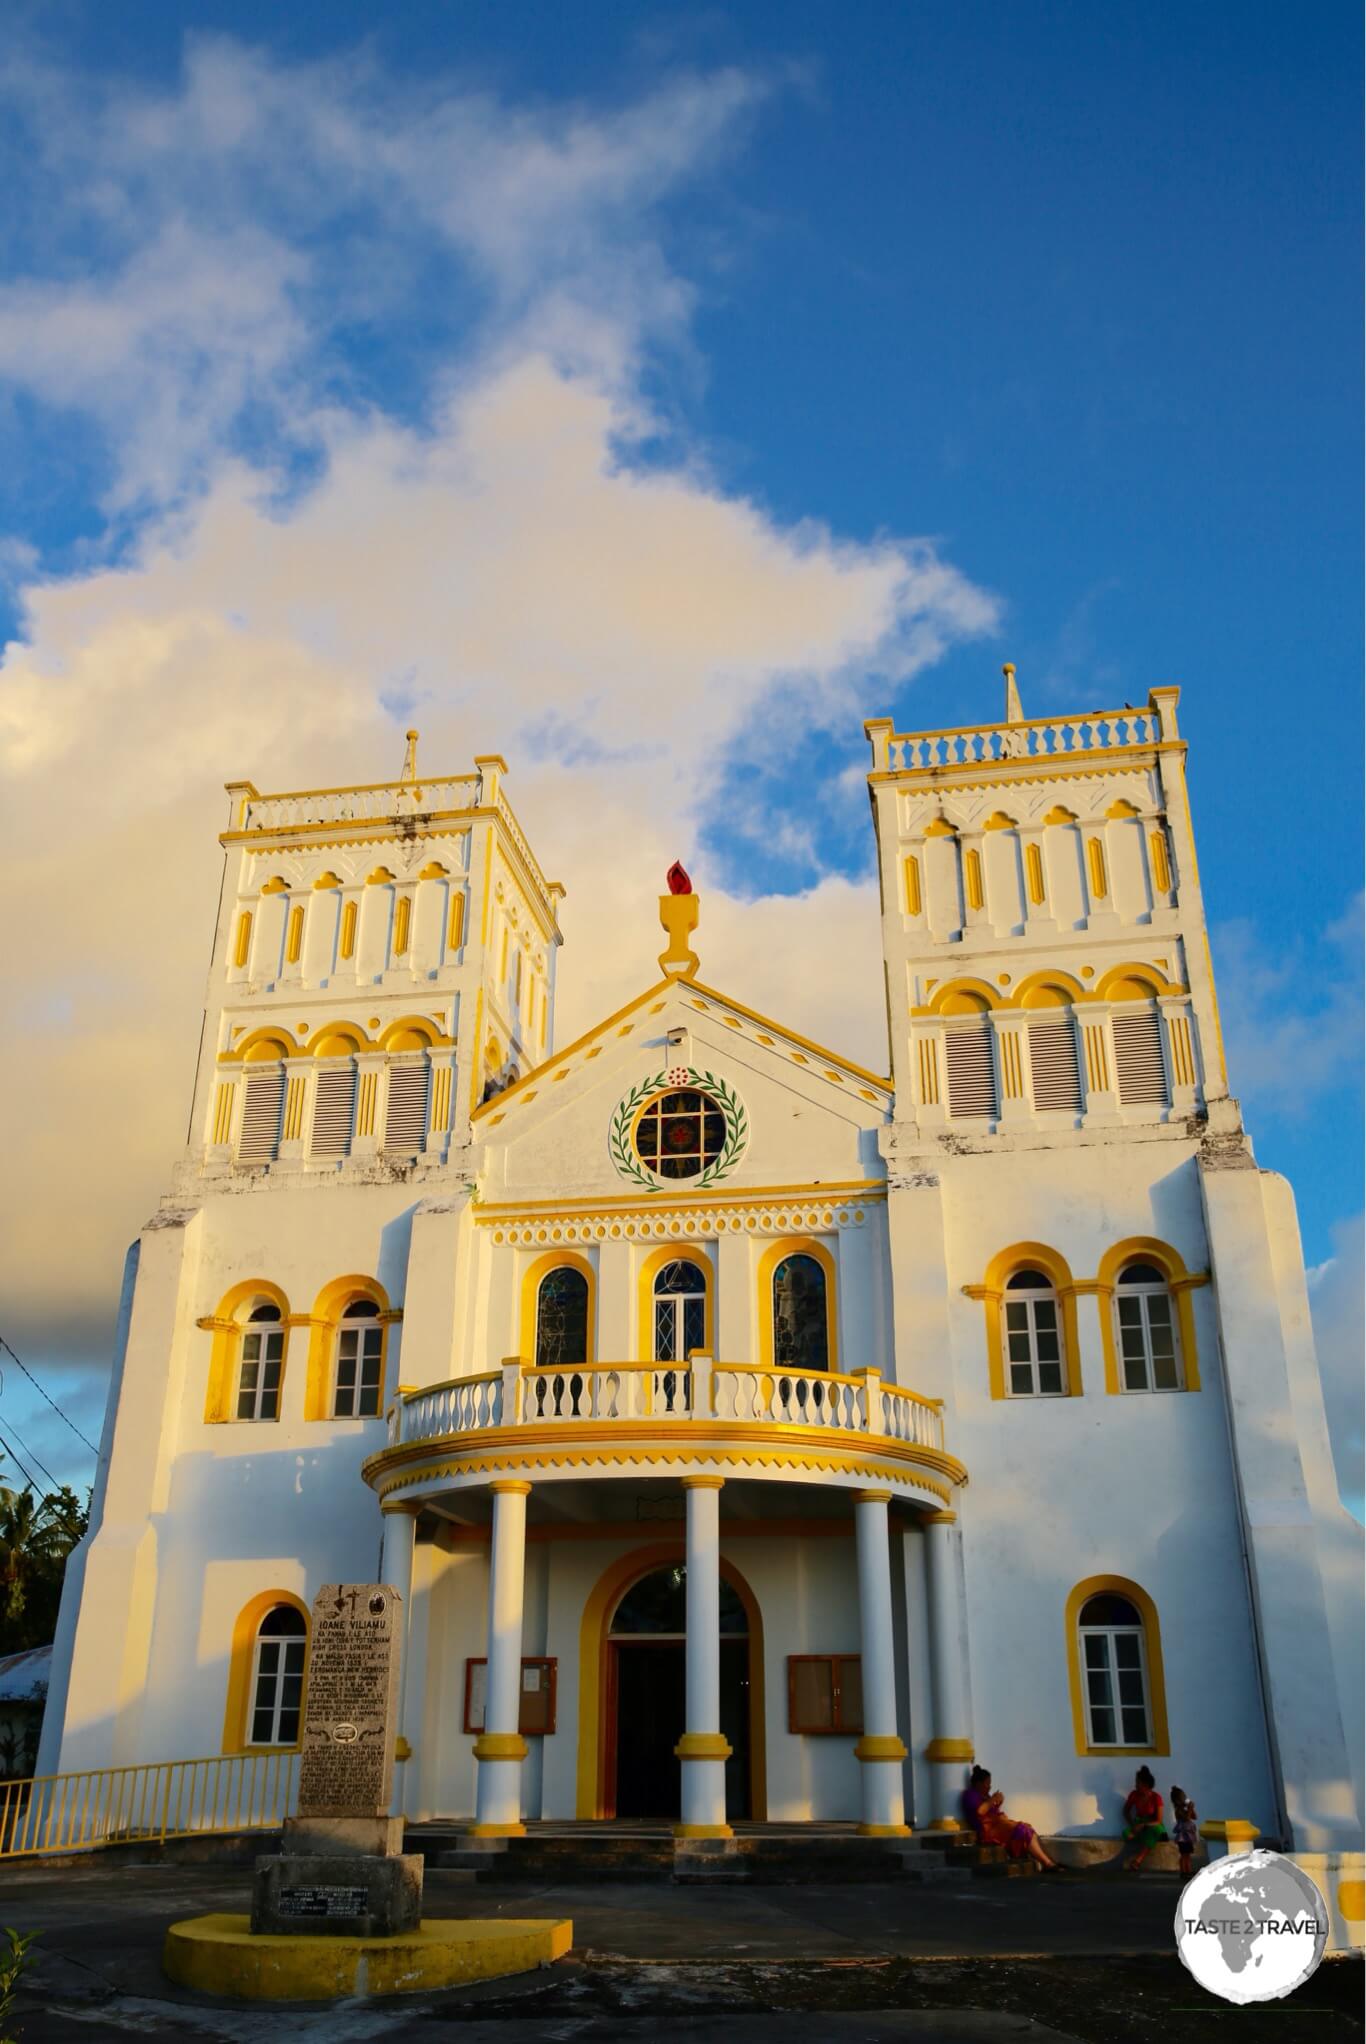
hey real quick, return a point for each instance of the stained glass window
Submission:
(679, 1134)
(801, 1332)
(562, 1319)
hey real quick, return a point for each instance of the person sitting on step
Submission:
(982, 1808)
(1143, 1824)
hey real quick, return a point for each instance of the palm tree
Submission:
(36, 1536)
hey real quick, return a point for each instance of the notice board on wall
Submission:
(536, 1714)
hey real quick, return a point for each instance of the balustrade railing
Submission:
(521, 1395)
(361, 805)
(1043, 738)
(227, 1792)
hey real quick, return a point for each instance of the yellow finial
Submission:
(678, 915)
(1014, 712)
(410, 758)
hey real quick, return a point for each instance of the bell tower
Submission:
(384, 959)
(1043, 933)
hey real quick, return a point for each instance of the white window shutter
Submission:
(405, 1118)
(263, 1101)
(1053, 1064)
(972, 1076)
(334, 1108)
(1139, 1070)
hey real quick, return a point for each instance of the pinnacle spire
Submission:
(1014, 713)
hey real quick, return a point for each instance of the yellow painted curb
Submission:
(218, 1955)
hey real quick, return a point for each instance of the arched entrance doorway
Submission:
(646, 1645)
(631, 1695)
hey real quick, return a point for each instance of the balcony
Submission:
(779, 1424)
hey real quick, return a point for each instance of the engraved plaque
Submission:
(349, 1902)
(352, 1701)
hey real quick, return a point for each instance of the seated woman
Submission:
(1143, 1824)
(982, 1808)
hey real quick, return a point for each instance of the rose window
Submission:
(680, 1134)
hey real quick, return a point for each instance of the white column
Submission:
(500, 1748)
(702, 1749)
(950, 1750)
(879, 1751)
(399, 1524)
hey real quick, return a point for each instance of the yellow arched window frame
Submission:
(324, 1323)
(228, 1323)
(654, 1263)
(776, 1253)
(557, 1259)
(1181, 1283)
(1118, 1586)
(241, 1658)
(992, 1290)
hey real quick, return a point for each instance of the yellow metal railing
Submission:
(159, 1800)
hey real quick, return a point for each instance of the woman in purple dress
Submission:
(984, 1813)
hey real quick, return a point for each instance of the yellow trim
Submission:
(381, 877)
(1034, 875)
(261, 1047)
(434, 870)
(776, 1253)
(870, 1497)
(1053, 979)
(1058, 814)
(880, 1746)
(698, 995)
(433, 1038)
(227, 1332)
(324, 1321)
(1229, 1827)
(837, 1193)
(998, 820)
(616, 1579)
(972, 875)
(348, 930)
(352, 1031)
(1152, 1639)
(1352, 1900)
(455, 935)
(500, 1745)
(294, 943)
(497, 1830)
(943, 1824)
(510, 1487)
(703, 1831)
(940, 826)
(992, 1292)
(1180, 1281)
(702, 1482)
(1161, 864)
(222, 1111)
(556, 1259)
(240, 1655)
(884, 1831)
(403, 923)
(942, 1751)
(275, 886)
(804, 1448)
(911, 868)
(1120, 809)
(952, 988)
(680, 1252)
(1149, 975)
(703, 1746)
(242, 948)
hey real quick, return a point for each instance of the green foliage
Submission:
(36, 1536)
(13, 1959)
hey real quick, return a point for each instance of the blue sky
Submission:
(969, 331)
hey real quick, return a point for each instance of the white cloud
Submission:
(1291, 1012)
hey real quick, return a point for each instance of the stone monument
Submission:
(341, 1870)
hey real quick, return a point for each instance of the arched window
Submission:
(260, 1364)
(658, 1604)
(1117, 1697)
(561, 1318)
(680, 1311)
(277, 1677)
(801, 1320)
(1033, 1337)
(1149, 1351)
(359, 1383)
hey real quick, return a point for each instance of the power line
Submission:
(29, 1477)
(32, 1454)
(51, 1401)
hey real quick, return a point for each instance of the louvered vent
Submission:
(334, 1110)
(405, 1120)
(1138, 1054)
(259, 1136)
(1053, 1065)
(972, 1081)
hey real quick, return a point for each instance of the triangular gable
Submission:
(869, 1087)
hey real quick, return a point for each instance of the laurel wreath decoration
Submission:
(725, 1097)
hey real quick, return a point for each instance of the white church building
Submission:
(751, 1436)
